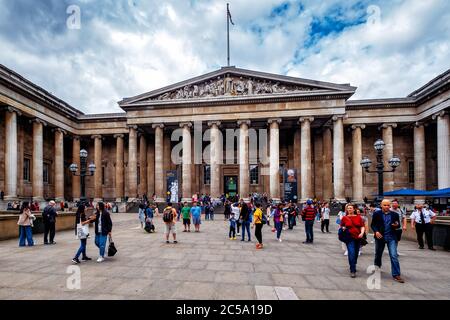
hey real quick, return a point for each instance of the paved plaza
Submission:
(207, 265)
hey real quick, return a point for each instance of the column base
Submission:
(188, 200)
(160, 200)
(38, 199)
(276, 200)
(341, 200)
(119, 199)
(10, 198)
(76, 200)
(358, 201)
(96, 200)
(58, 200)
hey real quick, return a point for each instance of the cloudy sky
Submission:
(387, 48)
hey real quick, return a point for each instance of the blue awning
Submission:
(440, 193)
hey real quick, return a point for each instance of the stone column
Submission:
(388, 153)
(244, 169)
(420, 182)
(76, 181)
(59, 164)
(159, 165)
(38, 160)
(119, 190)
(98, 187)
(338, 152)
(150, 169)
(327, 154)
(215, 159)
(357, 173)
(132, 164)
(443, 152)
(143, 164)
(274, 158)
(11, 154)
(186, 162)
(305, 155)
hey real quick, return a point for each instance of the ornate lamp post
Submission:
(84, 171)
(393, 163)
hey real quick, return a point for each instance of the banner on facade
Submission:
(172, 186)
(290, 185)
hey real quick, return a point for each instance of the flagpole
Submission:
(228, 35)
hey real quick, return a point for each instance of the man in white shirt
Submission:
(325, 218)
(422, 220)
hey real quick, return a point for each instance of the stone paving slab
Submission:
(207, 265)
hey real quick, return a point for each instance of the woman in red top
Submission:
(355, 225)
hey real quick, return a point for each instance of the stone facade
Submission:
(317, 131)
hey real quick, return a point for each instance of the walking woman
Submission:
(103, 228)
(257, 223)
(25, 222)
(80, 217)
(278, 220)
(355, 226)
(142, 215)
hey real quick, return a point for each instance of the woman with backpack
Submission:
(258, 224)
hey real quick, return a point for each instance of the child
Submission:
(232, 233)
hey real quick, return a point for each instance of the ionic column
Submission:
(420, 182)
(143, 165)
(76, 184)
(338, 152)
(305, 152)
(215, 159)
(244, 169)
(159, 165)
(132, 164)
(443, 149)
(59, 164)
(274, 159)
(357, 173)
(98, 191)
(11, 154)
(38, 160)
(186, 165)
(119, 190)
(327, 154)
(388, 178)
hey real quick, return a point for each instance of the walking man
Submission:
(309, 214)
(325, 218)
(49, 218)
(385, 222)
(422, 220)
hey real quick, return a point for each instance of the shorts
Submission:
(196, 220)
(171, 228)
(187, 222)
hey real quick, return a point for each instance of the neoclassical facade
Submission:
(311, 126)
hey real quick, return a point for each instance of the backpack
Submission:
(264, 219)
(167, 215)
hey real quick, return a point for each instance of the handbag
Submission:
(82, 231)
(112, 250)
(344, 235)
(398, 234)
(363, 242)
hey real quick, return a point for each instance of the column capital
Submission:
(387, 125)
(76, 137)
(60, 130)
(241, 122)
(96, 136)
(303, 119)
(12, 109)
(158, 125)
(439, 114)
(119, 135)
(419, 124)
(339, 116)
(185, 124)
(361, 126)
(37, 120)
(272, 120)
(214, 122)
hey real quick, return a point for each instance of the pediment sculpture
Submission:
(230, 86)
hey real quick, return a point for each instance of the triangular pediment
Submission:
(229, 82)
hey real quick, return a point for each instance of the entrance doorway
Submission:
(230, 185)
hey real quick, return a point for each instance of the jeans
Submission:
(291, 222)
(100, 242)
(82, 249)
(392, 247)
(246, 225)
(25, 232)
(353, 250)
(309, 230)
(325, 225)
(232, 232)
(49, 227)
(258, 232)
(279, 227)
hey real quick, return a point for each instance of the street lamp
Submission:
(393, 163)
(83, 172)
